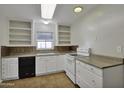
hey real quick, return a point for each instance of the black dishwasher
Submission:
(26, 67)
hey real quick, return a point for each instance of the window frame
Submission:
(45, 41)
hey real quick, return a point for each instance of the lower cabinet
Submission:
(88, 76)
(43, 65)
(9, 68)
(49, 64)
(40, 64)
(70, 68)
(60, 62)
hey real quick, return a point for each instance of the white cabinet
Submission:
(60, 62)
(90, 76)
(49, 64)
(70, 68)
(40, 65)
(44, 65)
(9, 68)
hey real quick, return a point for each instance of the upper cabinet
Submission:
(20, 33)
(63, 35)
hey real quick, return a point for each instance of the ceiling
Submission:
(26, 11)
(64, 14)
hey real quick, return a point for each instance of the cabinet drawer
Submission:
(92, 69)
(42, 59)
(92, 79)
(96, 81)
(9, 60)
(95, 70)
(81, 82)
(81, 64)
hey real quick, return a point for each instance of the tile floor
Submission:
(57, 80)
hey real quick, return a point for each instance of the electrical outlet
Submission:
(119, 49)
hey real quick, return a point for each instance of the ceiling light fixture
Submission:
(77, 9)
(47, 10)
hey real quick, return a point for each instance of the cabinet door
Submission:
(85, 75)
(60, 62)
(70, 65)
(51, 63)
(10, 68)
(40, 65)
(12, 71)
(4, 69)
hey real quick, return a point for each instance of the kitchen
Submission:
(81, 45)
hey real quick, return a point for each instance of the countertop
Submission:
(36, 54)
(94, 60)
(101, 61)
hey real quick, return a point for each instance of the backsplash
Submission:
(6, 51)
(65, 48)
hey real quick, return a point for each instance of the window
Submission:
(44, 40)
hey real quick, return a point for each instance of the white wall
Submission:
(101, 29)
(40, 26)
(17, 11)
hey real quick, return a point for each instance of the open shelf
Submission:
(64, 35)
(26, 40)
(18, 28)
(19, 32)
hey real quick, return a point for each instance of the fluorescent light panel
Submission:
(47, 10)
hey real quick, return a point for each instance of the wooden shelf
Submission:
(15, 34)
(17, 28)
(26, 45)
(64, 31)
(26, 40)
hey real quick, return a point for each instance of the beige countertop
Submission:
(36, 54)
(101, 61)
(95, 60)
